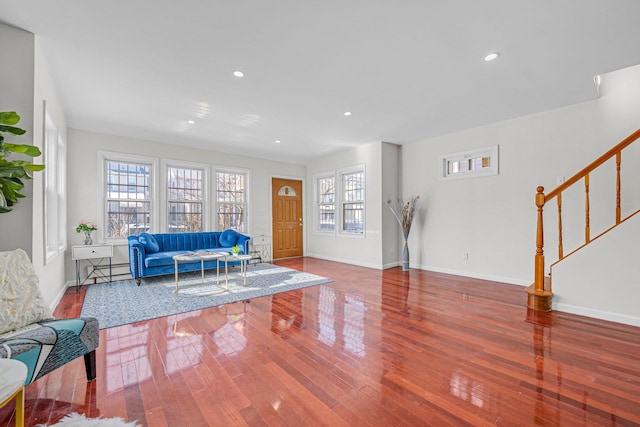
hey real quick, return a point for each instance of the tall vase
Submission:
(405, 256)
(87, 237)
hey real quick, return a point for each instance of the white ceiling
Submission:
(407, 69)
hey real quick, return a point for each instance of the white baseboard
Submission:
(345, 261)
(598, 314)
(391, 265)
(58, 298)
(491, 277)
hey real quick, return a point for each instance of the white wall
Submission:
(494, 218)
(83, 191)
(52, 273)
(602, 280)
(365, 251)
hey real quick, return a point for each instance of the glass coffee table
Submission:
(202, 257)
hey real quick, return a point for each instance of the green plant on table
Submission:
(235, 250)
(12, 172)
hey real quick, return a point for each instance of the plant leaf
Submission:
(29, 150)
(4, 207)
(13, 172)
(13, 130)
(9, 117)
(34, 168)
(10, 188)
(24, 164)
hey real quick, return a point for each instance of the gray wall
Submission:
(16, 87)
(391, 189)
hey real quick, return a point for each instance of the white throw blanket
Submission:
(78, 420)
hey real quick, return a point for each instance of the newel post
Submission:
(538, 297)
(539, 262)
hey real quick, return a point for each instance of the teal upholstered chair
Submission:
(29, 333)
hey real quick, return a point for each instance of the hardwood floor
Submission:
(380, 348)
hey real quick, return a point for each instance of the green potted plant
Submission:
(235, 250)
(12, 172)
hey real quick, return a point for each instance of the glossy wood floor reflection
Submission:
(378, 348)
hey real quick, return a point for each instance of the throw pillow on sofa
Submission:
(228, 238)
(149, 243)
(21, 302)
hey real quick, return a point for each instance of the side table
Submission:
(91, 253)
(261, 248)
(13, 374)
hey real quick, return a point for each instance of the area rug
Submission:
(122, 302)
(78, 420)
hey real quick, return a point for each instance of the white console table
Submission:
(261, 248)
(95, 255)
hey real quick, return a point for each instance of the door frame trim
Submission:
(304, 205)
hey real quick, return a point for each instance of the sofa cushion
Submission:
(228, 238)
(149, 243)
(21, 302)
(162, 258)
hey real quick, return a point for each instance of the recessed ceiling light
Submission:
(277, 141)
(347, 113)
(491, 57)
(191, 122)
(238, 73)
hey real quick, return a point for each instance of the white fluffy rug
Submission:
(78, 420)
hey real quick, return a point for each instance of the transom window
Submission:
(185, 199)
(466, 164)
(231, 200)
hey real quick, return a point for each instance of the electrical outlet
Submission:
(465, 256)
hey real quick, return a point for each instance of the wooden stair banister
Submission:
(539, 294)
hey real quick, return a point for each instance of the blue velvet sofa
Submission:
(152, 254)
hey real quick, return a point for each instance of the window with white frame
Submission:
(471, 163)
(55, 189)
(128, 208)
(352, 211)
(231, 200)
(325, 186)
(185, 199)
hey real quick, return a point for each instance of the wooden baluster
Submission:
(539, 261)
(618, 211)
(560, 255)
(587, 229)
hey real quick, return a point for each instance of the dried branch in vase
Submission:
(404, 211)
